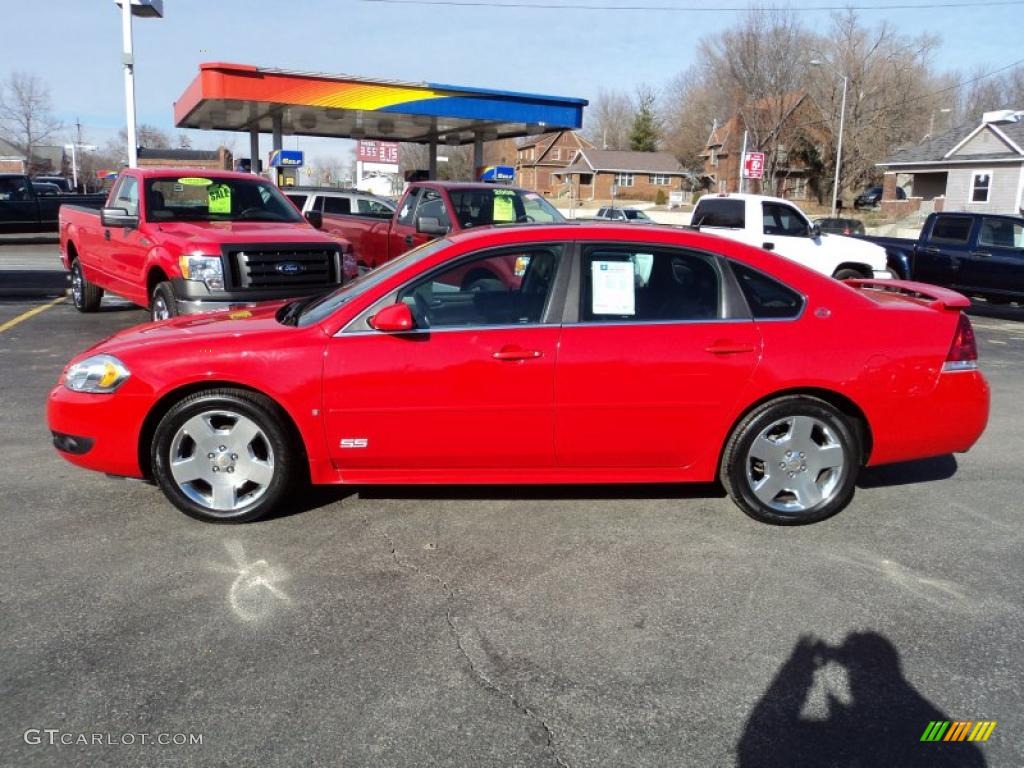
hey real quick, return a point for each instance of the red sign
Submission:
(378, 152)
(753, 165)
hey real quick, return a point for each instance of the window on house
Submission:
(659, 179)
(573, 154)
(980, 183)
(624, 179)
(556, 153)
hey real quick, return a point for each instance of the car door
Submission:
(470, 388)
(401, 236)
(939, 258)
(126, 248)
(996, 263)
(651, 366)
(788, 233)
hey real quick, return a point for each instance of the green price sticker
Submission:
(220, 198)
(195, 181)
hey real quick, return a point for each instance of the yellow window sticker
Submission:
(220, 198)
(504, 210)
(195, 181)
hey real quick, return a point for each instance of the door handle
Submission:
(727, 347)
(768, 246)
(980, 254)
(106, 234)
(409, 240)
(932, 250)
(517, 353)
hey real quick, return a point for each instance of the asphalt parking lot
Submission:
(647, 626)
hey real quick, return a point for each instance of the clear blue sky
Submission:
(74, 45)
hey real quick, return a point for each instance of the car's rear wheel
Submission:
(162, 304)
(223, 456)
(792, 461)
(84, 295)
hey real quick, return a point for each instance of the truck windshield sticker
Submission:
(195, 181)
(612, 285)
(220, 198)
(504, 208)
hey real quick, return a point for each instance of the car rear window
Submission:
(767, 297)
(951, 229)
(716, 212)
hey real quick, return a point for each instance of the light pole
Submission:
(842, 120)
(143, 9)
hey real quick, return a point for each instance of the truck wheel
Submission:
(224, 456)
(847, 274)
(792, 461)
(84, 295)
(162, 305)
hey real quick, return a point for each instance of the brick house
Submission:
(972, 168)
(634, 175)
(784, 129)
(46, 158)
(541, 157)
(211, 159)
(12, 159)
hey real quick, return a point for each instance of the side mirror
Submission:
(315, 218)
(396, 318)
(815, 231)
(429, 225)
(118, 217)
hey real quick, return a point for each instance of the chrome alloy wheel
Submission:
(795, 463)
(76, 285)
(160, 309)
(221, 460)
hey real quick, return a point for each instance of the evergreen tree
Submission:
(645, 133)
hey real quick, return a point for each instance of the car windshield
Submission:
(325, 305)
(477, 207)
(213, 198)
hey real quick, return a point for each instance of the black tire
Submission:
(85, 296)
(271, 450)
(848, 274)
(162, 304)
(745, 474)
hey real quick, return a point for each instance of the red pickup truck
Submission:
(429, 209)
(180, 241)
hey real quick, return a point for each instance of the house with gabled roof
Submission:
(604, 174)
(971, 168)
(539, 157)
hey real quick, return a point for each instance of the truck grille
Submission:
(283, 267)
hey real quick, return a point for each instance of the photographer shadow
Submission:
(879, 723)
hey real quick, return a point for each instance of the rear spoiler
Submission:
(932, 295)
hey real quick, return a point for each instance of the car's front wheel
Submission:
(223, 456)
(791, 461)
(162, 304)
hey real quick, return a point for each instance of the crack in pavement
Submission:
(484, 679)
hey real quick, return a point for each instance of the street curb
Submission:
(25, 283)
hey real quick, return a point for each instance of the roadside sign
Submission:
(753, 165)
(286, 158)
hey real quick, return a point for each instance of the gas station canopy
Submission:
(240, 97)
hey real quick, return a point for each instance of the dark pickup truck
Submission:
(23, 210)
(977, 254)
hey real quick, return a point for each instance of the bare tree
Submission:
(457, 165)
(25, 113)
(690, 107)
(610, 120)
(184, 141)
(985, 92)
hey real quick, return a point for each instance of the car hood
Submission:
(858, 250)
(195, 234)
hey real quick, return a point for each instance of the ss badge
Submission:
(354, 442)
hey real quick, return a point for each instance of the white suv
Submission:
(343, 201)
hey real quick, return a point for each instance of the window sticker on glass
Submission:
(195, 181)
(613, 288)
(504, 207)
(220, 198)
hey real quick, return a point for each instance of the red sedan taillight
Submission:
(963, 352)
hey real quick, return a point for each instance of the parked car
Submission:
(61, 182)
(872, 197)
(629, 215)
(31, 206)
(429, 209)
(777, 225)
(623, 355)
(840, 226)
(180, 241)
(340, 201)
(978, 254)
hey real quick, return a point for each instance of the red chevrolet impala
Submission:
(619, 355)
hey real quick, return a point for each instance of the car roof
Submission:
(744, 196)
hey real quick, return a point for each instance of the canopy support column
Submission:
(478, 154)
(254, 149)
(432, 159)
(277, 132)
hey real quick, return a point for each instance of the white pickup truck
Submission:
(777, 225)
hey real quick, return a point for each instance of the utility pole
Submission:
(743, 160)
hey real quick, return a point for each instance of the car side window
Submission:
(298, 200)
(128, 195)
(510, 287)
(953, 230)
(1001, 233)
(432, 207)
(337, 205)
(644, 284)
(405, 213)
(783, 220)
(372, 207)
(767, 297)
(10, 189)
